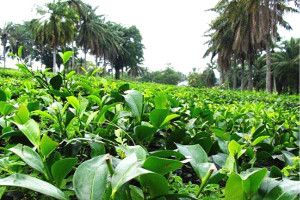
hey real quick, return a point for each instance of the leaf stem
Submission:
(204, 181)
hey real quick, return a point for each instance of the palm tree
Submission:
(286, 66)
(92, 33)
(5, 37)
(56, 27)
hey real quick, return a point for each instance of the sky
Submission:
(172, 30)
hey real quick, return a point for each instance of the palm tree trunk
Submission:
(250, 75)
(269, 70)
(222, 76)
(117, 73)
(96, 61)
(85, 62)
(243, 76)
(54, 60)
(274, 84)
(73, 57)
(4, 56)
(234, 76)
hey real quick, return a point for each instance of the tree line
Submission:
(74, 25)
(245, 37)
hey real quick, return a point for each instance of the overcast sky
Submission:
(172, 30)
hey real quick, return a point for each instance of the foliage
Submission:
(205, 79)
(71, 136)
(167, 76)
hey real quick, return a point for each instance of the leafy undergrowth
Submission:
(70, 136)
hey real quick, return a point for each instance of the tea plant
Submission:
(69, 136)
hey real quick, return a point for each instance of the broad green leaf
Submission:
(234, 188)
(47, 146)
(156, 184)
(30, 157)
(235, 149)
(168, 119)
(161, 166)
(161, 101)
(90, 178)
(198, 158)
(144, 133)
(66, 56)
(245, 186)
(61, 168)
(136, 193)
(56, 82)
(2, 95)
(259, 140)
(137, 150)
(272, 189)
(222, 134)
(134, 100)
(74, 102)
(22, 115)
(32, 131)
(127, 169)
(26, 181)
(5, 108)
(252, 181)
(157, 117)
(20, 51)
(167, 154)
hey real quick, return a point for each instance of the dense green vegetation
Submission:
(244, 36)
(71, 136)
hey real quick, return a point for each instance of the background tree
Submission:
(55, 27)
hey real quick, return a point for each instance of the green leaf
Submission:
(252, 181)
(234, 188)
(235, 148)
(32, 131)
(161, 101)
(74, 102)
(167, 154)
(66, 56)
(137, 150)
(20, 51)
(144, 133)
(30, 157)
(47, 146)
(2, 95)
(127, 169)
(61, 168)
(245, 186)
(5, 108)
(161, 166)
(26, 181)
(259, 140)
(90, 178)
(22, 115)
(198, 158)
(157, 117)
(156, 184)
(56, 82)
(168, 119)
(136, 193)
(134, 100)
(272, 189)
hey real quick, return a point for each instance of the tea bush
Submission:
(68, 136)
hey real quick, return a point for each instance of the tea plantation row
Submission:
(70, 136)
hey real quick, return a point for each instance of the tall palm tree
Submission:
(55, 27)
(5, 37)
(286, 66)
(91, 32)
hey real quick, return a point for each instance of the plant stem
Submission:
(204, 181)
